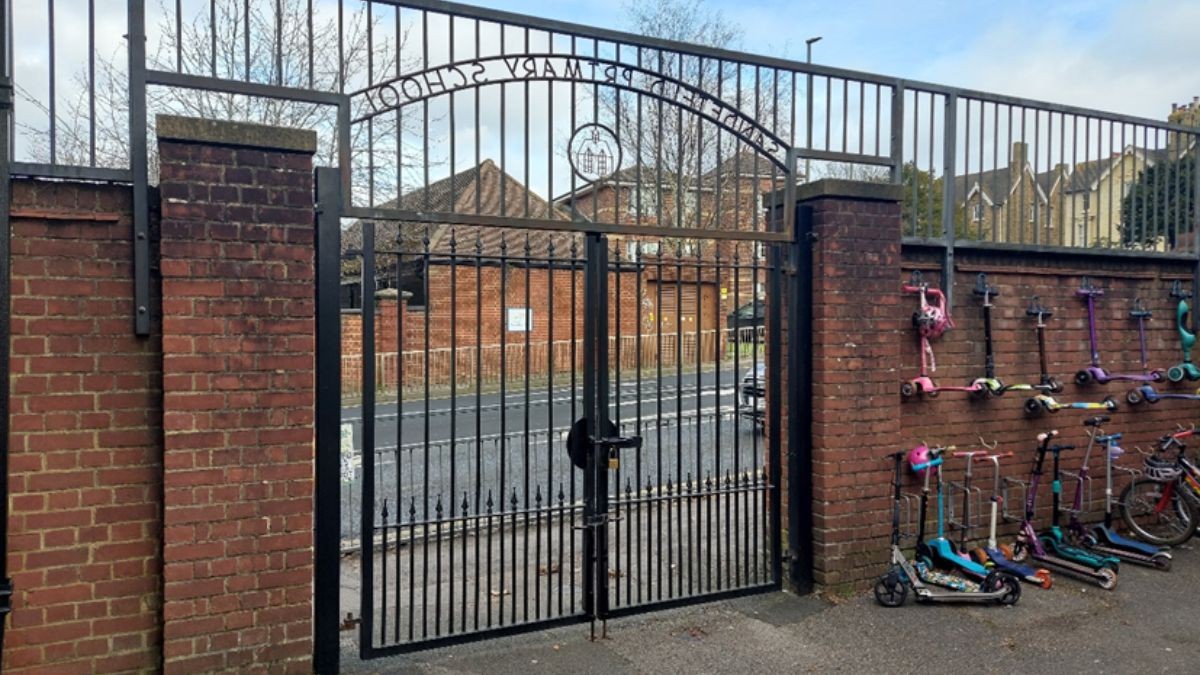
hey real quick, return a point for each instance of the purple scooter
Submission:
(1094, 372)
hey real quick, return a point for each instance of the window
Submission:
(977, 212)
(647, 249)
(649, 203)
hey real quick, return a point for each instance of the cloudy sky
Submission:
(1132, 56)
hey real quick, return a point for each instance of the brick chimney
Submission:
(1018, 161)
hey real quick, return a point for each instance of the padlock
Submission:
(614, 461)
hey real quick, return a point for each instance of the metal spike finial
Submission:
(490, 502)
(453, 241)
(412, 508)
(425, 239)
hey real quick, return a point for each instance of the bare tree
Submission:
(685, 169)
(371, 48)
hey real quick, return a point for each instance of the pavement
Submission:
(1146, 625)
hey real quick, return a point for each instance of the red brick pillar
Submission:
(238, 366)
(856, 352)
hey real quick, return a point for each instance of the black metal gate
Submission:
(566, 400)
(570, 428)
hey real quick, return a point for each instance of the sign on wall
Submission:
(520, 320)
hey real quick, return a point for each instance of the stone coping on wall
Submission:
(240, 134)
(839, 188)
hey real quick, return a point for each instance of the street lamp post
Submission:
(809, 98)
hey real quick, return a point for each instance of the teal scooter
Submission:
(1187, 339)
(1051, 548)
(940, 550)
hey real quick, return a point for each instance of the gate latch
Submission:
(579, 445)
(613, 444)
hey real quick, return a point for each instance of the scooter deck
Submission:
(944, 555)
(1108, 538)
(1022, 572)
(1076, 555)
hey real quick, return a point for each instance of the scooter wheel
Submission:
(1110, 403)
(907, 389)
(1006, 550)
(1044, 579)
(1157, 375)
(1175, 374)
(980, 556)
(1006, 583)
(932, 393)
(890, 590)
(1134, 397)
(1056, 386)
(1161, 561)
(1032, 406)
(1083, 377)
(1108, 578)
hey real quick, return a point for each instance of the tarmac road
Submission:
(689, 424)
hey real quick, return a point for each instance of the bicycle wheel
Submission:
(1170, 525)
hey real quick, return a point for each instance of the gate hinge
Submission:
(6, 93)
(6, 591)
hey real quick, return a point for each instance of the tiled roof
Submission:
(475, 191)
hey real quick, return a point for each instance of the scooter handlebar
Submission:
(937, 461)
(1047, 435)
(1097, 420)
(1000, 455)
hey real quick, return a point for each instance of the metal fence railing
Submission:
(978, 168)
(484, 366)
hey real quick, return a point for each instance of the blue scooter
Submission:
(997, 555)
(1148, 394)
(1103, 539)
(940, 550)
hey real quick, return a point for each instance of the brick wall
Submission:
(864, 346)
(238, 336)
(856, 411)
(85, 471)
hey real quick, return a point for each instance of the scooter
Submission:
(1044, 403)
(1094, 372)
(989, 384)
(1103, 539)
(1048, 384)
(1050, 549)
(931, 320)
(940, 550)
(1148, 394)
(891, 590)
(1001, 556)
(1187, 339)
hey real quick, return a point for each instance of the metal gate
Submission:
(569, 289)
(545, 447)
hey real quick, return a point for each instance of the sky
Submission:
(1134, 56)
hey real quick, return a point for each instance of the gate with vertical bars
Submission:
(570, 293)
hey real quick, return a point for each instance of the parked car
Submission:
(749, 315)
(752, 394)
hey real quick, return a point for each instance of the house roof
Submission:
(460, 193)
(996, 184)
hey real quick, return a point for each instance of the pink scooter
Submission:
(931, 320)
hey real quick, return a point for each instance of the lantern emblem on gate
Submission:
(594, 152)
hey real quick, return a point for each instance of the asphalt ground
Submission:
(1146, 625)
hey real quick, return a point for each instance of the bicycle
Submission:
(1162, 506)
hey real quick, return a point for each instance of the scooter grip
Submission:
(925, 465)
